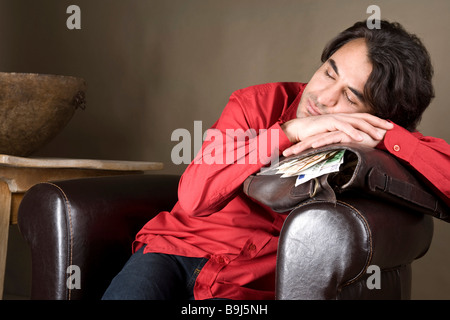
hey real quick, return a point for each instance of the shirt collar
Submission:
(291, 111)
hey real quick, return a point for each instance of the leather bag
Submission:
(367, 171)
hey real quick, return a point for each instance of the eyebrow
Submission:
(358, 94)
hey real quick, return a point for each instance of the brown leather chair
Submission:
(326, 250)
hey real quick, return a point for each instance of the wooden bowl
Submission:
(34, 108)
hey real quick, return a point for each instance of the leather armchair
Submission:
(325, 249)
(89, 223)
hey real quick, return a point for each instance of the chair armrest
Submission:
(325, 249)
(89, 223)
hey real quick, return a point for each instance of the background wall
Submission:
(155, 66)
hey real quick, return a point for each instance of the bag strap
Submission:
(378, 180)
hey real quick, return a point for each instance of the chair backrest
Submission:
(80, 231)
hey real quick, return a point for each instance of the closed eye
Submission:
(348, 99)
(328, 74)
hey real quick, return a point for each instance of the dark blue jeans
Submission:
(155, 276)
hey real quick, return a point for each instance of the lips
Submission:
(312, 108)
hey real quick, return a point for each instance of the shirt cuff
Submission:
(400, 142)
(284, 141)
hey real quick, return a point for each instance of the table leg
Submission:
(5, 213)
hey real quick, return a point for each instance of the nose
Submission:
(329, 96)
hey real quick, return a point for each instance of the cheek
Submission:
(313, 88)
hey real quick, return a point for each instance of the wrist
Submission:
(289, 131)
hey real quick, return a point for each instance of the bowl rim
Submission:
(35, 74)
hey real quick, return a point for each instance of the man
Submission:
(216, 243)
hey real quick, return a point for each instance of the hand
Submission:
(326, 138)
(317, 131)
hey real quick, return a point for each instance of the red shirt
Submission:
(215, 219)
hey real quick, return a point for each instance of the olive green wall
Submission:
(155, 66)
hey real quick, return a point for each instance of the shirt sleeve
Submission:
(428, 156)
(233, 149)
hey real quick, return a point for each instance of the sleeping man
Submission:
(216, 243)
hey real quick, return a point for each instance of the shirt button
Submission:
(251, 247)
(221, 260)
(397, 148)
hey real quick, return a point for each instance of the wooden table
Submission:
(18, 174)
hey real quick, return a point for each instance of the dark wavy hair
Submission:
(400, 86)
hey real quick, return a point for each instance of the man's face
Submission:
(337, 86)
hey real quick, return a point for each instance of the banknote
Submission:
(331, 164)
(308, 167)
(291, 167)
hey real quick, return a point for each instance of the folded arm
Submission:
(318, 131)
(428, 156)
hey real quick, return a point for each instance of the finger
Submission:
(362, 124)
(362, 127)
(349, 127)
(319, 140)
(296, 148)
(330, 138)
(376, 121)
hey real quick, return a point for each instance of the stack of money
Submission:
(308, 167)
